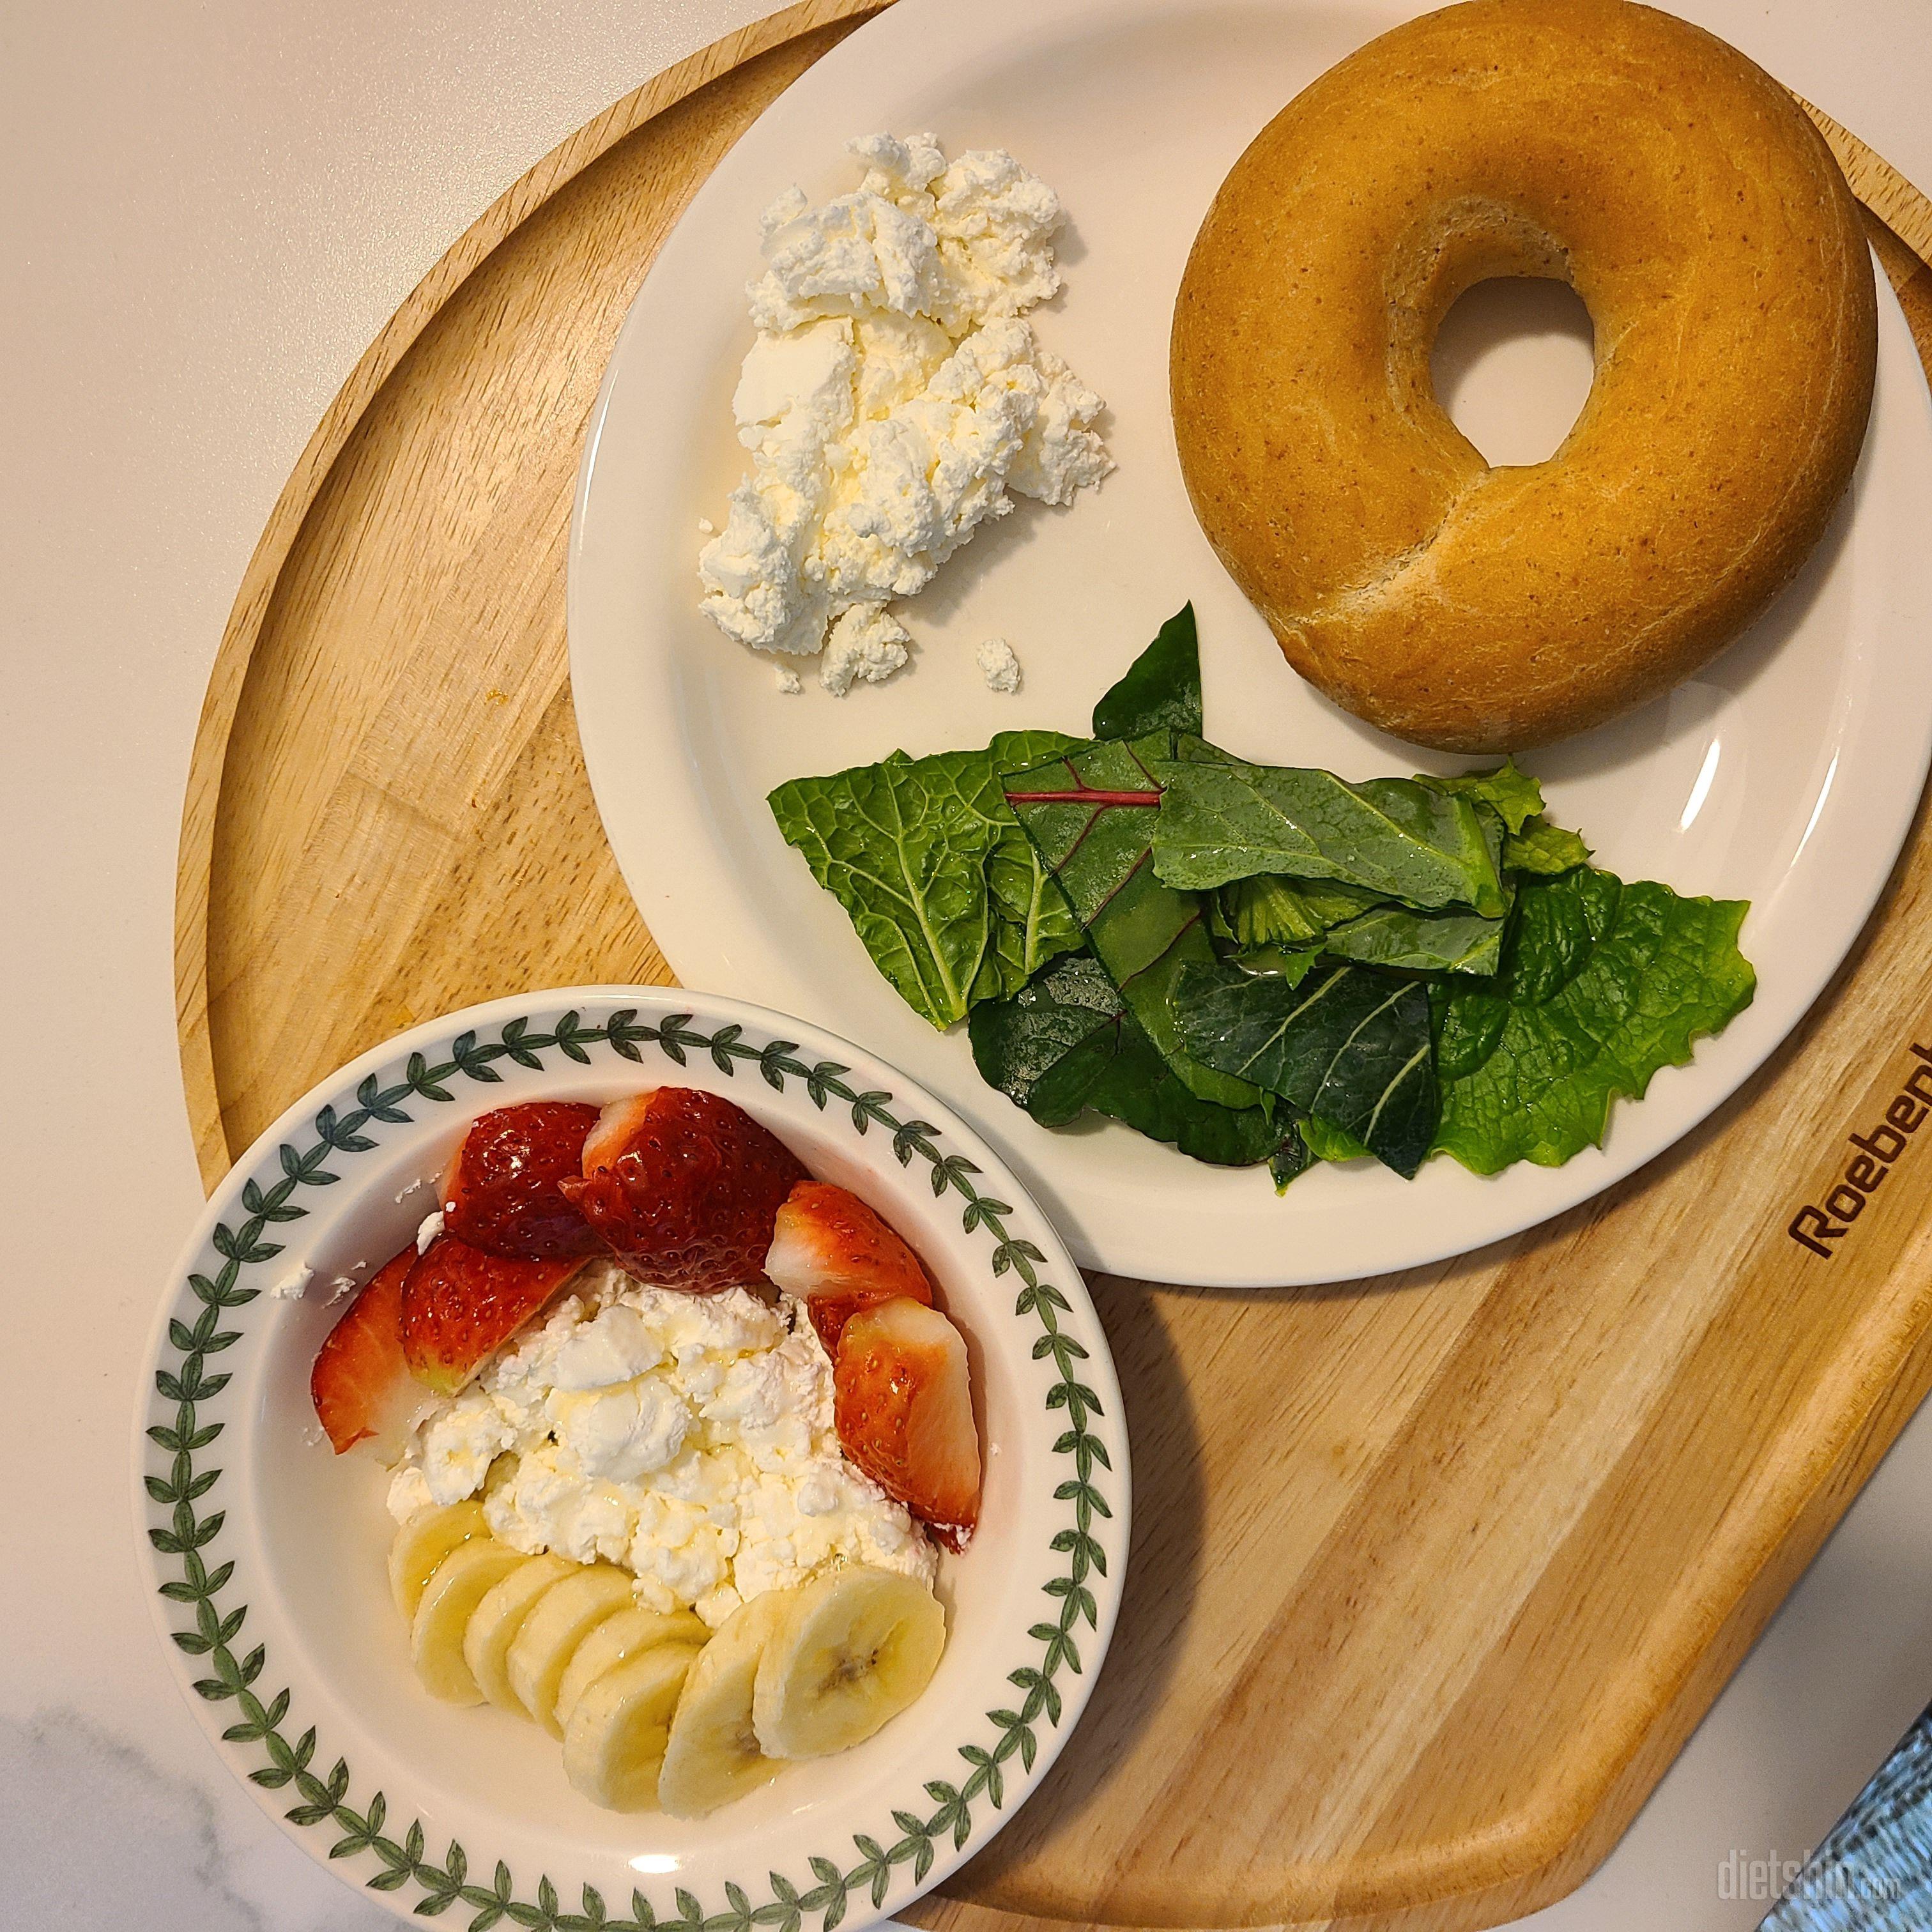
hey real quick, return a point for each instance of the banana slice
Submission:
(422, 1542)
(486, 1643)
(560, 1620)
(470, 1572)
(614, 1743)
(713, 1755)
(627, 1634)
(854, 1648)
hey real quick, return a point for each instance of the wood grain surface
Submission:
(1433, 1574)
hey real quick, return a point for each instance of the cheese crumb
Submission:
(867, 643)
(427, 1230)
(894, 400)
(998, 665)
(291, 1286)
(788, 682)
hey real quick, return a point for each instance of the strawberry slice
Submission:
(360, 1383)
(460, 1306)
(903, 1403)
(837, 1256)
(685, 1187)
(501, 1193)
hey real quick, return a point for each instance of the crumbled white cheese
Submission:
(894, 397)
(998, 665)
(688, 1438)
(788, 681)
(706, 527)
(427, 1231)
(867, 643)
(291, 1286)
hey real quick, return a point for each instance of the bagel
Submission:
(1696, 211)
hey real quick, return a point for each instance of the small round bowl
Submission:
(266, 1552)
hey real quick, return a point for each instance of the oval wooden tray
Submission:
(1433, 1575)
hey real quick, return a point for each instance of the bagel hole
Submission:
(1512, 366)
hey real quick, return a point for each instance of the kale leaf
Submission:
(1602, 983)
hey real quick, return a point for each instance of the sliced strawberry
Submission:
(615, 1125)
(903, 1403)
(360, 1383)
(501, 1194)
(837, 1256)
(460, 1306)
(685, 1187)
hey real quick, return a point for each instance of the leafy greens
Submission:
(1347, 1044)
(1257, 963)
(1066, 1043)
(942, 886)
(1399, 838)
(1602, 984)
(1090, 813)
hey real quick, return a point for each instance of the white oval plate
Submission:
(265, 1552)
(1786, 773)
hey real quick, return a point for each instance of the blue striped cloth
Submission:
(1874, 1871)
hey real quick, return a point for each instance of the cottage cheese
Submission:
(894, 401)
(688, 1438)
(998, 664)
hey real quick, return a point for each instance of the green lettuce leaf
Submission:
(1514, 797)
(1326, 1141)
(1223, 820)
(1067, 1043)
(1347, 1044)
(1162, 690)
(1602, 983)
(1290, 1160)
(942, 886)
(1538, 846)
(1270, 911)
(1090, 814)
(1418, 942)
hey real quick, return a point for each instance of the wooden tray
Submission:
(1433, 1574)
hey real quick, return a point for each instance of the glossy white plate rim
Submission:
(249, 1646)
(1795, 763)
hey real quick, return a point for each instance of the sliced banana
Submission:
(467, 1574)
(713, 1755)
(853, 1649)
(422, 1542)
(627, 1634)
(613, 1745)
(560, 1620)
(498, 1618)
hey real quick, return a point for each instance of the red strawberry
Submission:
(833, 1252)
(685, 1187)
(500, 1194)
(460, 1306)
(360, 1383)
(904, 1406)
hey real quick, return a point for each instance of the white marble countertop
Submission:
(209, 211)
